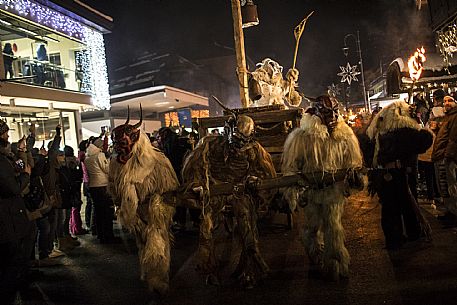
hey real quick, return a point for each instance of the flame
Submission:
(415, 64)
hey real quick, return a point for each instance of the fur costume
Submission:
(136, 187)
(217, 160)
(325, 159)
(273, 88)
(398, 138)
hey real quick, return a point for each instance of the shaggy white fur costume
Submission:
(137, 187)
(318, 154)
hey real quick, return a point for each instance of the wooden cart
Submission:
(273, 124)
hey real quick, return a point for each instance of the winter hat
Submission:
(439, 93)
(98, 142)
(68, 151)
(3, 127)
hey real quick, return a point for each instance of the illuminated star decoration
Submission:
(333, 90)
(348, 73)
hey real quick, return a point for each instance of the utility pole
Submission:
(241, 70)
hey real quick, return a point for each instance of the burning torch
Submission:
(416, 66)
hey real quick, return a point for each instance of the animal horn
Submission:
(222, 105)
(128, 115)
(141, 118)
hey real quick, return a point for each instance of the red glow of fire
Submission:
(415, 64)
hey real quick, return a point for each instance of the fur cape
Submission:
(137, 187)
(392, 117)
(311, 149)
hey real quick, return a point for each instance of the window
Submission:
(54, 59)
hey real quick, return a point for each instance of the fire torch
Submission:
(416, 66)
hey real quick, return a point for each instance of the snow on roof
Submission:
(434, 62)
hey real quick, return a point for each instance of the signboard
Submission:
(185, 118)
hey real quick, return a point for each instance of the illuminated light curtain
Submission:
(44, 16)
(447, 42)
(96, 73)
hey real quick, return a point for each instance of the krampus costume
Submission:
(398, 138)
(138, 178)
(326, 151)
(237, 159)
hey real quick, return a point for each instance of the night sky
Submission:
(198, 29)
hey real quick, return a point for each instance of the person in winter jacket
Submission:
(97, 166)
(445, 152)
(14, 224)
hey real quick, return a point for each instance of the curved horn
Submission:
(141, 118)
(128, 115)
(222, 105)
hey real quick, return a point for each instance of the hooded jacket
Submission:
(445, 145)
(97, 166)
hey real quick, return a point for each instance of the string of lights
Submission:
(44, 16)
(95, 69)
(447, 42)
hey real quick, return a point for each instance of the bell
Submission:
(255, 91)
(249, 14)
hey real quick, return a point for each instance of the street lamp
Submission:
(359, 51)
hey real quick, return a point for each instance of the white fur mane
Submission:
(394, 116)
(311, 148)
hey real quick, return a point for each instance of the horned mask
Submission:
(326, 109)
(125, 136)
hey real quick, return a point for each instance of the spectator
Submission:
(89, 213)
(98, 168)
(176, 148)
(14, 225)
(72, 176)
(445, 151)
(8, 58)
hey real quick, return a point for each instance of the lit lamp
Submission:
(249, 13)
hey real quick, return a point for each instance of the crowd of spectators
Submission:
(42, 195)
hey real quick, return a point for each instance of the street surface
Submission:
(108, 274)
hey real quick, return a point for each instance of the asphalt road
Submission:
(108, 274)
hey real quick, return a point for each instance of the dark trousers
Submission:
(9, 69)
(398, 207)
(427, 171)
(53, 221)
(89, 213)
(104, 213)
(43, 237)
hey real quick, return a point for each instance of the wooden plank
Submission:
(272, 141)
(258, 117)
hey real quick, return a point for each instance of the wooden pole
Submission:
(240, 53)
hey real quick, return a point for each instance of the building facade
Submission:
(53, 66)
